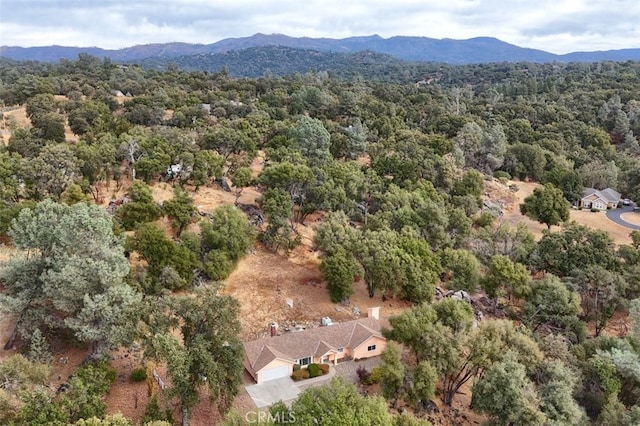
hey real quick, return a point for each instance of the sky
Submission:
(558, 26)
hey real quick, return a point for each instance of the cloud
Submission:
(554, 25)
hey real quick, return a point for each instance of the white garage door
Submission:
(275, 373)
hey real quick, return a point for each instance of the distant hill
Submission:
(254, 62)
(418, 49)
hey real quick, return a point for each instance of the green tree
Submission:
(49, 126)
(70, 259)
(462, 269)
(336, 403)
(557, 382)
(206, 350)
(424, 380)
(506, 394)
(10, 171)
(52, 171)
(240, 179)
(312, 140)
(338, 270)
(160, 252)
(505, 277)
(553, 306)
(84, 397)
(207, 166)
(546, 205)
(393, 371)
(180, 210)
(575, 247)
(228, 232)
(140, 209)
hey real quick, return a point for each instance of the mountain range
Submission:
(414, 49)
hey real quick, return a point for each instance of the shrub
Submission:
(484, 220)
(363, 374)
(314, 370)
(296, 367)
(324, 368)
(375, 376)
(500, 174)
(595, 210)
(300, 375)
(139, 375)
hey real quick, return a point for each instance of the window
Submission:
(371, 348)
(340, 350)
(305, 361)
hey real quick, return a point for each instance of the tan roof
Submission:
(314, 342)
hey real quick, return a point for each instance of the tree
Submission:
(140, 209)
(336, 403)
(227, 231)
(601, 290)
(207, 166)
(505, 277)
(460, 353)
(84, 396)
(462, 269)
(551, 305)
(338, 270)
(424, 380)
(312, 140)
(160, 252)
(575, 247)
(52, 171)
(557, 383)
(240, 179)
(506, 393)
(70, 260)
(546, 205)
(393, 371)
(49, 126)
(179, 209)
(9, 177)
(200, 346)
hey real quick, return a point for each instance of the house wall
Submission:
(362, 352)
(273, 364)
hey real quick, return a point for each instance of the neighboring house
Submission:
(274, 357)
(601, 200)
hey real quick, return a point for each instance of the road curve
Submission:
(616, 216)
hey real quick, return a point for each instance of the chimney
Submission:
(373, 312)
(274, 328)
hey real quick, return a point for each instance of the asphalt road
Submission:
(615, 215)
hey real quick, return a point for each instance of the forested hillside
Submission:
(384, 174)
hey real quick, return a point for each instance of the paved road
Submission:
(615, 215)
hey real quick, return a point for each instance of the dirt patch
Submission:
(264, 282)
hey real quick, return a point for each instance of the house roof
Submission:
(314, 342)
(609, 195)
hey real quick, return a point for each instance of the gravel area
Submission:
(347, 369)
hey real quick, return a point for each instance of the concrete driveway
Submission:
(615, 215)
(272, 391)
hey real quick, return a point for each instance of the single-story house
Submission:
(600, 199)
(274, 357)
